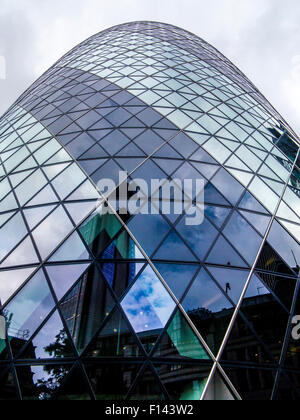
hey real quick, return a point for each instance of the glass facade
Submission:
(138, 307)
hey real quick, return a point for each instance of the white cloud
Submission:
(260, 36)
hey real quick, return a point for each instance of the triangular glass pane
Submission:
(218, 390)
(41, 382)
(85, 192)
(19, 177)
(252, 384)
(119, 275)
(35, 215)
(4, 217)
(260, 222)
(180, 341)
(199, 238)
(230, 188)
(74, 388)
(112, 381)
(168, 165)
(131, 150)
(212, 196)
(8, 389)
(148, 388)
(224, 254)
(217, 215)
(231, 281)
(188, 381)
(53, 170)
(267, 317)
(236, 230)
(206, 304)
(11, 280)
(177, 276)
(287, 387)
(249, 344)
(55, 228)
(148, 305)
(207, 170)
(90, 166)
(250, 203)
(149, 230)
(243, 177)
(51, 342)
(28, 309)
(80, 211)
(87, 305)
(72, 249)
(63, 277)
(46, 196)
(99, 230)
(173, 249)
(9, 203)
(115, 339)
(24, 254)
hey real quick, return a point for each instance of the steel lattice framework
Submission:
(114, 306)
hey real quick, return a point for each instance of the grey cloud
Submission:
(260, 36)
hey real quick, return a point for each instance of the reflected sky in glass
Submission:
(148, 305)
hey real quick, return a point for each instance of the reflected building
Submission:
(116, 305)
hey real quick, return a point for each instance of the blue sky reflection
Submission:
(148, 305)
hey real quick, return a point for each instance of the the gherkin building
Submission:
(114, 305)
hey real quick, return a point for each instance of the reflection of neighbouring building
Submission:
(86, 306)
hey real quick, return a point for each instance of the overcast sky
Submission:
(262, 37)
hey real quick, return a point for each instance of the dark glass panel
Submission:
(119, 275)
(252, 384)
(209, 310)
(180, 341)
(177, 276)
(231, 281)
(212, 196)
(8, 390)
(288, 387)
(149, 230)
(224, 254)
(86, 307)
(230, 188)
(285, 245)
(199, 238)
(267, 318)
(75, 387)
(217, 215)
(28, 310)
(112, 381)
(99, 230)
(147, 388)
(41, 382)
(51, 342)
(183, 382)
(115, 339)
(236, 231)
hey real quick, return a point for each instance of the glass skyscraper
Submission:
(112, 306)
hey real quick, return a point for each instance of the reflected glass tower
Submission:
(113, 306)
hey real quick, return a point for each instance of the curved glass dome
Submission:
(115, 305)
